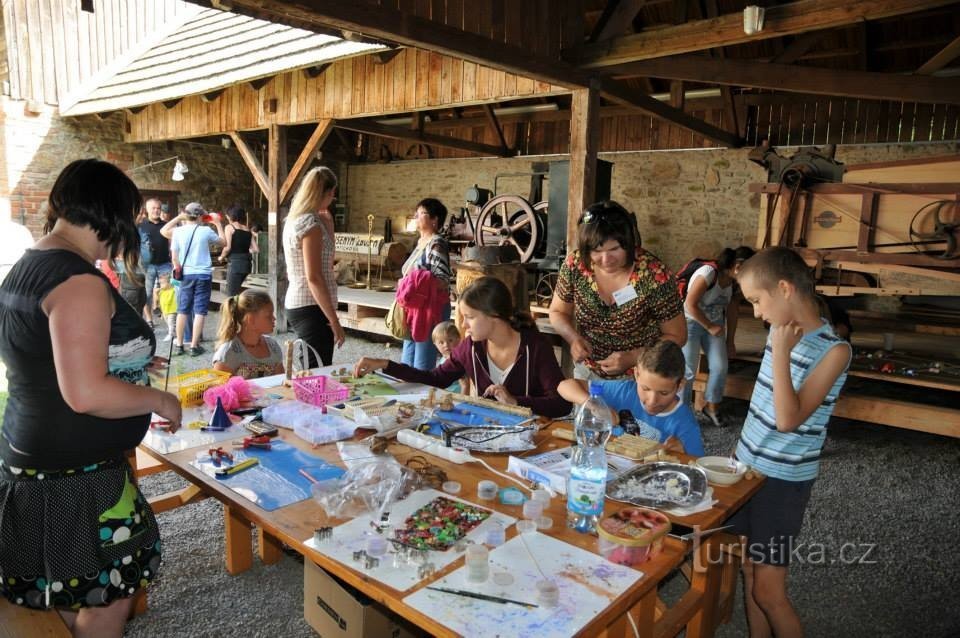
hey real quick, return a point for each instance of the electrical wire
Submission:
(633, 625)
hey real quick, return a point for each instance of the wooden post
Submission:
(584, 141)
(276, 169)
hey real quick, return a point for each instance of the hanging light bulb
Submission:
(178, 170)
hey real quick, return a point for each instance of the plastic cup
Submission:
(487, 490)
(477, 561)
(532, 510)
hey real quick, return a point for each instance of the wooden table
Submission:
(697, 611)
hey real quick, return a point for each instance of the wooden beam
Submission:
(628, 97)
(303, 160)
(384, 23)
(727, 29)
(316, 70)
(617, 17)
(397, 133)
(495, 124)
(212, 95)
(276, 168)
(382, 57)
(946, 55)
(781, 77)
(259, 83)
(584, 144)
(676, 94)
(253, 164)
(797, 48)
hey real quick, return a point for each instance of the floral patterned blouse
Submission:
(613, 328)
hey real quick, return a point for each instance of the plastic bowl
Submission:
(722, 470)
(632, 536)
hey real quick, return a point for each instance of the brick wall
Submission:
(34, 148)
(687, 202)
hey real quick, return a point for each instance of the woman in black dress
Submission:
(236, 250)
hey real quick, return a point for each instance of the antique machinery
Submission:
(536, 227)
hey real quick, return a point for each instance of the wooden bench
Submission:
(22, 622)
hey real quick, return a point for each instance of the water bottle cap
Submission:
(595, 387)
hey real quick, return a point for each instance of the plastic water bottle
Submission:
(588, 471)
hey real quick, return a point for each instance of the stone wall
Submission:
(688, 203)
(34, 148)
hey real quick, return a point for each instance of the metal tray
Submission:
(647, 485)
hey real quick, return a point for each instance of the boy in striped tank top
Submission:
(804, 366)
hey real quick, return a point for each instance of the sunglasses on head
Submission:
(591, 216)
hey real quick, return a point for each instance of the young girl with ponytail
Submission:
(245, 347)
(504, 355)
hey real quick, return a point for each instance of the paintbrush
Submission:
(479, 596)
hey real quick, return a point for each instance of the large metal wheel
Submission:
(509, 219)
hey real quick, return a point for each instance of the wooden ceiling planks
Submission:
(354, 87)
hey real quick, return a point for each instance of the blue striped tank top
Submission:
(790, 456)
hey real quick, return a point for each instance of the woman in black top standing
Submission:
(77, 534)
(237, 249)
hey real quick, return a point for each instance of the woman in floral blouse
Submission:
(613, 298)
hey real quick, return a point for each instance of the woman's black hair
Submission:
(729, 257)
(97, 194)
(237, 213)
(491, 296)
(435, 209)
(602, 222)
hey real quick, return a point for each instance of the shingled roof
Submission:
(206, 51)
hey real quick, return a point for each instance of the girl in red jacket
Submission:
(504, 355)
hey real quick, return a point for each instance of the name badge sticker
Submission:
(624, 295)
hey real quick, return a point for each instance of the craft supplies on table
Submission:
(631, 446)
(401, 567)
(482, 428)
(632, 535)
(276, 480)
(319, 390)
(165, 442)
(576, 584)
(660, 485)
(552, 468)
(192, 385)
(325, 428)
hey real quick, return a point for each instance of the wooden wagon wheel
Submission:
(546, 284)
(418, 151)
(509, 219)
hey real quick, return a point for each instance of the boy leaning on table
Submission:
(653, 396)
(804, 366)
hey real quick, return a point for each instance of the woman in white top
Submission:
(308, 249)
(711, 313)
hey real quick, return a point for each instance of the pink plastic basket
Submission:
(319, 390)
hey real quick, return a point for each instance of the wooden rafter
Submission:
(303, 160)
(945, 56)
(390, 25)
(781, 77)
(398, 133)
(617, 17)
(628, 97)
(495, 125)
(727, 29)
(253, 164)
(797, 48)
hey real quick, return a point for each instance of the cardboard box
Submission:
(336, 610)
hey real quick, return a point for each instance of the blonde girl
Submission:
(244, 345)
(308, 249)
